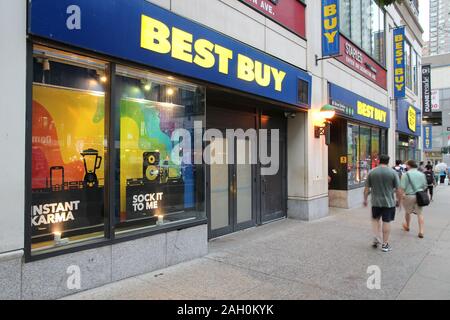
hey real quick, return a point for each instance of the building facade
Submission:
(438, 121)
(132, 118)
(439, 27)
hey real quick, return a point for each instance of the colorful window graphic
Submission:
(159, 182)
(68, 150)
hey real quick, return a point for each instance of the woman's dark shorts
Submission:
(387, 214)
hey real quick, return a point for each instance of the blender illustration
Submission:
(92, 162)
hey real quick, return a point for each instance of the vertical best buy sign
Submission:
(330, 28)
(399, 62)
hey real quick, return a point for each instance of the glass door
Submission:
(231, 187)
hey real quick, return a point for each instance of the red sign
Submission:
(357, 60)
(288, 13)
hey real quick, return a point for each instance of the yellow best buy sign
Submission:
(399, 62)
(412, 118)
(368, 111)
(158, 37)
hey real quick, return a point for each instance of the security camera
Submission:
(290, 115)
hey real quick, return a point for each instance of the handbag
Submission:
(422, 197)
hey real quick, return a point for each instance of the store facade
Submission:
(127, 105)
(409, 130)
(358, 137)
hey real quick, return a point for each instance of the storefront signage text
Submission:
(399, 62)
(368, 111)
(361, 63)
(355, 107)
(147, 201)
(51, 213)
(435, 101)
(426, 90)
(141, 32)
(158, 37)
(288, 13)
(330, 28)
(408, 118)
(428, 137)
(412, 117)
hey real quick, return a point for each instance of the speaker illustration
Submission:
(151, 172)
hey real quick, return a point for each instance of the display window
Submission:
(159, 183)
(68, 149)
(364, 146)
(82, 192)
(353, 162)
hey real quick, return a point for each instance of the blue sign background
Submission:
(402, 92)
(113, 27)
(428, 137)
(329, 49)
(349, 99)
(402, 119)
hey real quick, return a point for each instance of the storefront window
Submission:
(344, 16)
(159, 183)
(414, 71)
(365, 152)
(68, 149)
(353, 155)
(364, 147)
(366, 24)
(408, 65)
(375, 147)
(362, 21)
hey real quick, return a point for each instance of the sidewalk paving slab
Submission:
(291, 259)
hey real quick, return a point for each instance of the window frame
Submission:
(383, 146)
(382, 63)
(110, 236)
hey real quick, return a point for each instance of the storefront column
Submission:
(307, 165)
(12, 138)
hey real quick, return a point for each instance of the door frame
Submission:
(233, 226)
(283, 167)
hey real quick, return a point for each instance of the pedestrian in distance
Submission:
(421, 166)
(382, 182)
(398, 168)
(411, 183)
(431, 181)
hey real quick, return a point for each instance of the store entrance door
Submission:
(273, 186)
(231, 184)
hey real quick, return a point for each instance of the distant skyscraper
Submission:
(439, 27)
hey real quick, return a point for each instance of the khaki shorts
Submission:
(410, 205)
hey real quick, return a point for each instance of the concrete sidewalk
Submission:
(326, 259)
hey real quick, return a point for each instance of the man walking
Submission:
(382, 183)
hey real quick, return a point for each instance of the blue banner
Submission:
(142, 32)
(399, 63)
(428, 137)
(408, 119)
(353, 106)
(330, 28)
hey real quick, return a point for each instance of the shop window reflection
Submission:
(353, 155)
(67, 133)
(159, 184)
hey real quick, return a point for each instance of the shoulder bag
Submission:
(422, 197)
